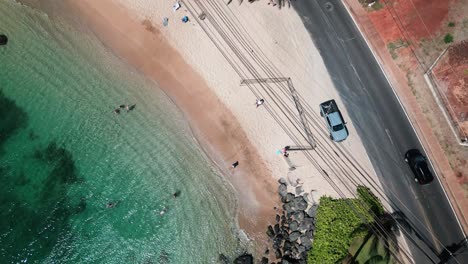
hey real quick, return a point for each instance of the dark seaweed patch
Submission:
(12, 118)
(32, 229)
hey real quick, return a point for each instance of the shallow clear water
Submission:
(64, 156)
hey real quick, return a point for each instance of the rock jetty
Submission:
(292, 235)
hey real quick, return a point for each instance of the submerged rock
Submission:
(244, 259)
(3, 39)
(223, 259)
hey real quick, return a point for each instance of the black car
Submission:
(418, 164)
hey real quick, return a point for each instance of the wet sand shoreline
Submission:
(214, 125)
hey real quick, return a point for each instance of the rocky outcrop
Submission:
(292, 235)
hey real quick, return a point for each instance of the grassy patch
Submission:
(451, 24)
(393, 46)
(448, 38)
(410, 82)
(375, 4)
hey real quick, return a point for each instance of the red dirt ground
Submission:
(409, 19)
(453, 80)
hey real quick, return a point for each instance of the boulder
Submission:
(303, 227)
(282, 190)
(270, 232)
(3, 39)
(278, 241)
(276, 229)
(287, 245)
(299, 190)
(298, 216)
(301, 249)
(312, 211)
(278, 254)
(310, 223)
(306, 241)
(264, 260)
(282, 181)
(307, 198)
(278, 218)
(275, 245)
(310, 234)
(244, 259)
(267, 251)
(293, 226)
(294, 236)
(289, 197)
(289, 208)
(301, 204)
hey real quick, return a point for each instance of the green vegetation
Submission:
(364, 194)
(344, 231)
(336, 221)
(393, 46)
(448, 38)
(375, 4)
(342, 222)
(451, 24)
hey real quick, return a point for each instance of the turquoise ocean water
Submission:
(64, 156)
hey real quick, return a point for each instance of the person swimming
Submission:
(130, 107)
(163, 211)
(176, 194)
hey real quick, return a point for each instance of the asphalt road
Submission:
(383, 126)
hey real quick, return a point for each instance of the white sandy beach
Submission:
(192, 70)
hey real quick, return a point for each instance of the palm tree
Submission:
(379, 242)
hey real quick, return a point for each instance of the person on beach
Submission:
(259, 102)
(235, 164)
